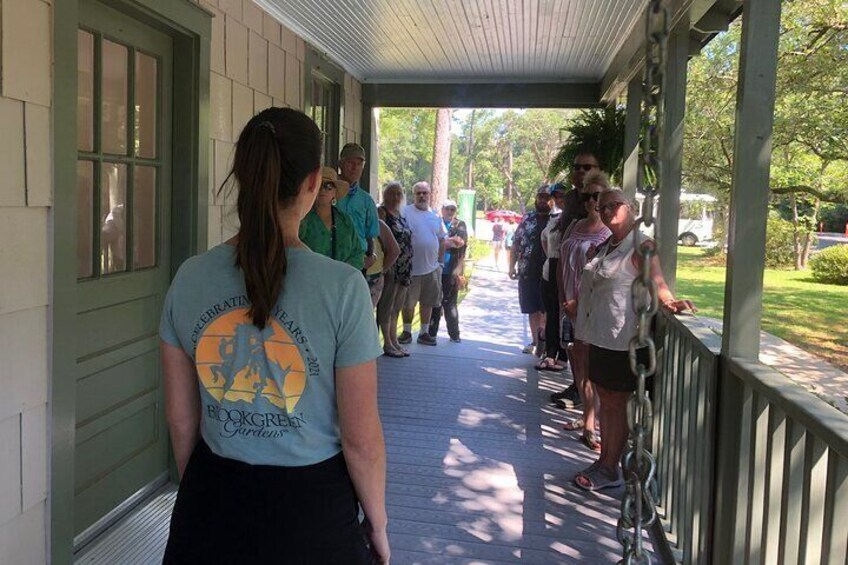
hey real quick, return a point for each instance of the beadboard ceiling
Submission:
(464, 40)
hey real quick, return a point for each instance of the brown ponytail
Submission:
(275, 152)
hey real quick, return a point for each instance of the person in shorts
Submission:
(526, 259)
(428, 255)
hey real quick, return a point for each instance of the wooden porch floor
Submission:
(480, 470)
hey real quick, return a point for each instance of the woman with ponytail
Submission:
(268, 356)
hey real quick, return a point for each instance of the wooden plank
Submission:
(742, 498)
(835, 546)
(792, 494)
(757, 480)
(815, 479)
(775, 462)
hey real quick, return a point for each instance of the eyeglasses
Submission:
(611, 206)
(328, 185)
(583, 167)
(587, 196)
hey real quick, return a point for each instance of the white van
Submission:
(695, 224)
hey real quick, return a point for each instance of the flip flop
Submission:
(588, 439)
(544, 365)
(574, 425)
(595, 480)
(393, 353)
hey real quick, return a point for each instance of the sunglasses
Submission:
(587, 196)
(328, 185)
(611, 206)
(582, 167)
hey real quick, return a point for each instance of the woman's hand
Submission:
(677, 306)
(379, 541)
(570, 308)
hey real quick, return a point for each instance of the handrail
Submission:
(819, 417)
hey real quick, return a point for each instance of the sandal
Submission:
(589, 440)
(574, 425)
(545, 365)
(595, 480)
(393, 353)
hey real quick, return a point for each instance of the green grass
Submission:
(808, 314)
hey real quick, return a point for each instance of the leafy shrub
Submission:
(831, 265)
(780, 242)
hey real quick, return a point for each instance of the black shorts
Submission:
(611, 369)
(231, 513)
(530, 296)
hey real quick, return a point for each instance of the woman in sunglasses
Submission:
(326, 229)
(581, 241)
(605, 307)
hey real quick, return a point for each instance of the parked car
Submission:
(504, 215)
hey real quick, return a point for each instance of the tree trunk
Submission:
(808, 239)
(510, 184)
(469, 179)
(796, 233)
(441, 158)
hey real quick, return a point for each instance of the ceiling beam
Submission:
(630, 58)
(481, 95)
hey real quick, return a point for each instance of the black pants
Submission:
(231, 513)
(450, 294)
(550, 298)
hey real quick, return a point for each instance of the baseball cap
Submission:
(543, 189)
(352, 150)
(449, 204)
(329, 174)
(559, 187)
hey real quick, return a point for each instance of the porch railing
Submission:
(751, 467)
(684, 434)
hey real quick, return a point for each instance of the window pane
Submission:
(144, 217)
(145, 105)
(113, 223)
(85, 91)
(114, 87)
(85, 219)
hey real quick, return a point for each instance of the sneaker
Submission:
(425, 339)
(570, 398)
(455, 340)
(405, 337)
(529, 348)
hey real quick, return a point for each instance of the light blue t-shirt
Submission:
(361, 208)
(269, 397)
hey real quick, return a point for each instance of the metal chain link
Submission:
(638, 507)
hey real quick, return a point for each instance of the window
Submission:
(325, 110)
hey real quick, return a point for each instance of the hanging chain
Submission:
(638, 507)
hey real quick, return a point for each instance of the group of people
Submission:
(411, 256)
(574, 256)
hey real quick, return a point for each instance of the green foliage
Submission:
(478, 248)
(834, 217)
(830, 265)
(780, 242)
(599, 131)
(406, 145)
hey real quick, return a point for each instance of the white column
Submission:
(672, 143)
(749, 193)
(632, 129)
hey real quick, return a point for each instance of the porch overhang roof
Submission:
(557, 52)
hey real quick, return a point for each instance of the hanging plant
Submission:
(600, 132)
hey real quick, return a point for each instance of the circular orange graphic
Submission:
(237, 361)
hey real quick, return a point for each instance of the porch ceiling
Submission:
(425, 41)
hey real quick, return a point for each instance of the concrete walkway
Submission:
(480, 469)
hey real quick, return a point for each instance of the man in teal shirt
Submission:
(357, 203)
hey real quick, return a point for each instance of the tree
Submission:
(810, 138)
(406, 145)
(441, 157)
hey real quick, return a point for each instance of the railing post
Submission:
(746, 258)
(370, 142)
(632, 126)
(672, 160)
